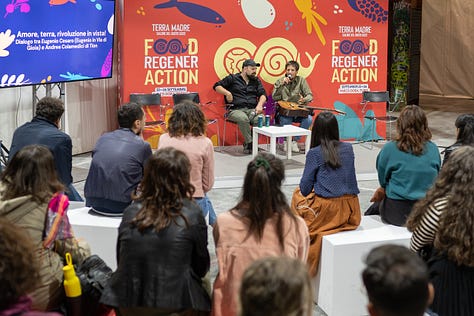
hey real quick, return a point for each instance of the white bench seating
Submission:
(100, 232)
(339, 290)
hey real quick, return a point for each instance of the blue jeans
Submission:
(305, 122)
(206, 207)
(72, 194)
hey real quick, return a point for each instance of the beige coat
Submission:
(28, 214)
(235, 253)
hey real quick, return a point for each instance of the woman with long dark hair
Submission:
(444, 221)
(260, 225)
(464, 136)
(327, 195)
(162, 245)
(406, 167)
(32, 197)
(187, 132)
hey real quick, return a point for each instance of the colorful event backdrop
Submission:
(174, 46)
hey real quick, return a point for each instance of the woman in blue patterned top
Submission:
(327, 195)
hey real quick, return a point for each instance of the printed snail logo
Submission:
(272, 55)
(173, 46)
(357, 47)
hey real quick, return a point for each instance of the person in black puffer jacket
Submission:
(465, 134)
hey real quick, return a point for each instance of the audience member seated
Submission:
(31, 197)
(465, 134)
(162, 245)
(187, 132)
(327, 195)
(44, 129)
(118, 160)
(18, 271)
(260, 225)
(293, 88)
(406, 167)
(444, 219)
(397, 282)
(276, 286)
(246, 94)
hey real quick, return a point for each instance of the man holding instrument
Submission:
(293, 89)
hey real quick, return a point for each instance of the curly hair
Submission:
(18, 266)
(276, 286)
(50, 108)
(31, 171)
(186, 119)
(413, 131)
(165, 185)
(262, 197)
(455, 235)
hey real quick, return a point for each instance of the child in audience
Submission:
(397, 282)
(32, 197)
(260, 225)
(162, 245)
(18, 271)
(187, 132)
(276, 286)
(406, 167)
(327, 195)
(444, 219)
(465, 134)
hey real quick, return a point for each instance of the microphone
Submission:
(288, 76)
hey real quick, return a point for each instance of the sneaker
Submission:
(294, 146)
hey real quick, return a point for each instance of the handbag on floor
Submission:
(94, 274)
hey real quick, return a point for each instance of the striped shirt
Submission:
(425, 232)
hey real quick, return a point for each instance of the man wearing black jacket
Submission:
(246, 94)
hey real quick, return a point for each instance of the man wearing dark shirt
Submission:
(118, 160)
(245, 91)
(44, 130)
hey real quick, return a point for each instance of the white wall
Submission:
(90, 110)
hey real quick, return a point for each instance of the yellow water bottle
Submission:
(72, 287)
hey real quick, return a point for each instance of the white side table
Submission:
(273, 132)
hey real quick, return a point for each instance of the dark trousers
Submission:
(392, 211)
